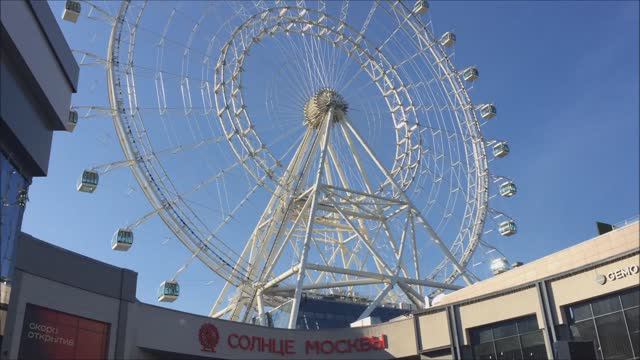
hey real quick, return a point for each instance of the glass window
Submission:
(505, 329)
(586, 331)
(614, 340)
(508, 348)
(606, 305)
(527, 324)
(614, 331)
(583, 330)
(631, 299)
(480, 336)
(580, 312)
(509, 340)
(484, 351)
(633, 322)
(533, 346)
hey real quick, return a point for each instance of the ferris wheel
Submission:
(298, 147)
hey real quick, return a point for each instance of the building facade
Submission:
(588, 292)
(587, 295)
(38, 73)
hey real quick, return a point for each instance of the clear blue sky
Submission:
(564, 76)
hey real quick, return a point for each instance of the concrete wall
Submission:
(152, 327)
(434, 330)
(513, 305)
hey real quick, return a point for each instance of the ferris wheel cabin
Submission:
(88, 181)
(501, 149)
(488, 111)
(71, 11)
(421, 7)
(508, 189)
(470, 74)
(122, 240)
(498, 266)
(448, 39)
(73, 120)
(507, 228)
(168, 291)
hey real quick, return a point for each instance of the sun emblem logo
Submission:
(209, 337)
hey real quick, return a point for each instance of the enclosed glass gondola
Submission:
(88, 181)
(421, 7)
(501, 149)
(73, 120)
(169, 291)
(470, 74)
(71, 11)
(508, 189)
(448, 39)
(507, 228)
(499, 266)
(122, 240)
(488, 111)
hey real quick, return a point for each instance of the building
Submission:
(564, 296)
(331, 312)
(38, 73)
(571, 304)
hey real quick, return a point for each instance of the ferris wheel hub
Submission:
(318, 106)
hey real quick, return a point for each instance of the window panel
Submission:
(606, 305)
(483, 335)
(502, 341)
(484, 351)
(504, 330)
(584, 330)
(631, 298)
(533, 346)
(508, 348)
(580, 312)
(633, 319)
(614, 339)
(528, 324)
(633, 322)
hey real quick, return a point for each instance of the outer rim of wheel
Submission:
(152, 187)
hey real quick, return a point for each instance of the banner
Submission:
(51, 334)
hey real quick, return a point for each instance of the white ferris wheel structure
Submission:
(301, 147)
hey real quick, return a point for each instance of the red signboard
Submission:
(209, 337)
(51, 334)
